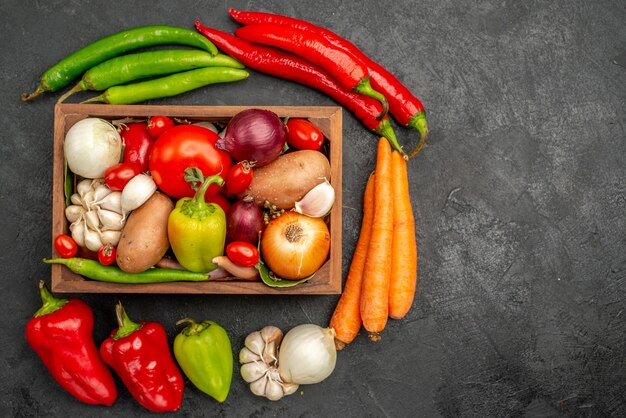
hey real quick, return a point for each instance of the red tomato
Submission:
(106, 254)
(159, 124)
(65, 246)
(239, 178)
(220, 200)
(119, 175)
(302, 134)
(185, 146)
(137, 144)
(242, 253)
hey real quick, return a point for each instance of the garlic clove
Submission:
(255, 343)
(110, 220)
(92, 240)
(76, 199)
(271, 333)
(74, 213)
(289, 388)
(83, 187)
(273, 390)
(318, 202)
(100, 192)
(247, 356)
(112, 202)
(110, 237)
(253, 371)
(78, 232)
(88, 199)
(92, 219)
(258, 386)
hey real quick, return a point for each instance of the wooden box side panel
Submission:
(326, 281)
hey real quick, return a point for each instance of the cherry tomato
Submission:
(159, 124)
(242, 253)
(107, 254)
(137, 144)
(239, 177)
(119, 175)
(220, 200)
(65, 246)
(182, 147)
(302, 134)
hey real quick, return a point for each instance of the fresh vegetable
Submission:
(159, 124)
(92, 269)
(106, 255)
(377, 270)
(204, 353)
(239, 177)
(302, 134)
(170, 85)
(131, 67)
(289, 66)
(347, 69)
(288, 179)
(404, 106)
(91, 146)
(259, 360)
(254, 135)
(61, 334)
(404, 253)
(239, 272)
(318, 202)
(144, 239)
(295, 246)
(140, 355)
(117, 177)
(307, 354)
(242, 253)
(136, 192)
(221, 201)
(70, 67)
(65, 246)
(137, 144)
(197, 230)
(244, 221)
(346, 319)
(185, 146)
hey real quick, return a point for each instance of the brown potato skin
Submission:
(287, 179)
(144, 237)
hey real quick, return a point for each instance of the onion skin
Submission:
(244, 222)
(254, 135)
(294, 246)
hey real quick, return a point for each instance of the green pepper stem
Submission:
(78, 87)
(193, 328)
(418, 121)
(199, 196)
(364, 87)
(28, 97)
(125, 325)
(384, 129)
(50, 303)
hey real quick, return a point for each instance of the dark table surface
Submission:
(519, 201)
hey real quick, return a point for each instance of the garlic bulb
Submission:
(259, 364)
(318, 202)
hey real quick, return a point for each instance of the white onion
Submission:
(91, 146)
(307, 354)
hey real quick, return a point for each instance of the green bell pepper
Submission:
(197, 230)
(204, 353)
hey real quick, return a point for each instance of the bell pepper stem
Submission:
(364, 87)
(193, 328)
(199, 196)
(50, 303)
(125, 325)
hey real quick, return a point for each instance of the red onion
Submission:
(254, 135)
(244, 221)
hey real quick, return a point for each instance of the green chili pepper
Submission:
(121, 70)
(204, 353)
(197, 230)
(170, 85)
(96, 271)
(70, 67)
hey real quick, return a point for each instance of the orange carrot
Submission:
(404, 254)
(346, 320)
(377, 272)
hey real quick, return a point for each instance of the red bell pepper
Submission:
(140, 355)
(61, 334)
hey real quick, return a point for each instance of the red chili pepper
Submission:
(140, 355)
(288, 66)
(344, 66)
(403, 105)
(61, 334)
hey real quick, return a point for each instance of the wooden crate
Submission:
(327, 118)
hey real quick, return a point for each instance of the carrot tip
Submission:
(374, 336)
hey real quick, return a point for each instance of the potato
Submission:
(144, 237)
(287, 179)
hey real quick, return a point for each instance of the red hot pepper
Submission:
(344, 66)
(403, 105)
(61, 334)
(140, 355)
(288, 66)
